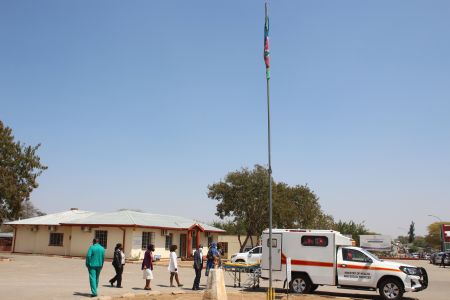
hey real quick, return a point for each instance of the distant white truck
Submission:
(326, 257)
(253, 256)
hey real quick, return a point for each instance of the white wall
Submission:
(76, 241)
(25, 240)
(135, 237)
(81, 241)
(37, 242)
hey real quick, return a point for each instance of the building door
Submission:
(183, 245)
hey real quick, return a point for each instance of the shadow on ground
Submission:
(374, 296)
(82, 294)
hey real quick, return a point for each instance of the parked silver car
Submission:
(438, 258)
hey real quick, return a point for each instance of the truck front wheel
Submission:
(300, 284)
(391, 289)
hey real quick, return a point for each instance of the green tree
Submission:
(411, 234)
(243, 197)
(420, 242)
(235, 228)
(352, 228)
(298, 207)
(19, 168)
(434, 236)
(403, 239)
(30, 211)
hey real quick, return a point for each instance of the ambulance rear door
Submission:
(276, 247)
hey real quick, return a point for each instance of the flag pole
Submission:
(270, 184)
(266, 54)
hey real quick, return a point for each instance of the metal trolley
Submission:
(245, 275)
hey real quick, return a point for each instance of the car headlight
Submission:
(410, 270)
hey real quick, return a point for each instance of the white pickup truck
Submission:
(326, 257)
(253, 256)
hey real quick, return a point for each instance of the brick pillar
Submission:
(198, 238)
(189, 243)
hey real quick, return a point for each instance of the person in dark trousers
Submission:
(118, 263)
(94, 262)
(212, 254)
(147, 266)
(443, 257)
(198, 266)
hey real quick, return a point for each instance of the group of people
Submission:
(213, 257)
(96, 256)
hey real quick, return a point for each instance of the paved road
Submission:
(43, 278)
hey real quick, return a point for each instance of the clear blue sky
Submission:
(142, 104)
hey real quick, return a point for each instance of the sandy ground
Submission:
(236, 296)
(35, 277)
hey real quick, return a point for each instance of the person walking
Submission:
(198, 266)
(173, 266)
(118, 264)
(443, 257)
(212, 254)
(94, 263)
(147, 266)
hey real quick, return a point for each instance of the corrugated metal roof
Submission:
(54, 219)
(118, 218)
(134, 218)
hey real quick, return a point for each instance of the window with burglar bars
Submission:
(56, 239)
(147, 238)
(168, 241)
(224, 248)
(102, 236)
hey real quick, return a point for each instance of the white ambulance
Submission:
(326, 257)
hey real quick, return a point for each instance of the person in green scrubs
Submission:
(94, 263)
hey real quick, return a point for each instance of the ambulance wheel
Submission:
(300, 284)
(391, 289)
(314, 287)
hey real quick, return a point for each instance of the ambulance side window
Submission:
(317, 241)
(274, 243)
(354, 255)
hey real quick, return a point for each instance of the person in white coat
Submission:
(173, 266)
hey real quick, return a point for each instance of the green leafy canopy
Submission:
(19, 168)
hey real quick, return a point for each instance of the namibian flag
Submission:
(266, 45)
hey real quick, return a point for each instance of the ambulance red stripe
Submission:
(306, 262)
